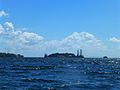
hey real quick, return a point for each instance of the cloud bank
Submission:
(30, 43)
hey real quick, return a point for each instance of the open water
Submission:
(60, 74)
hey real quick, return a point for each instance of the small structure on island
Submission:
(45, 55)
(79, 53)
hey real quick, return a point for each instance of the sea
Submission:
(60, 74)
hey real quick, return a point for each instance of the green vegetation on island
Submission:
(10, 55)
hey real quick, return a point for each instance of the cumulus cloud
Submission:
(29, 38)
(1, 28)
(114, 39)
(3, 13)
(24, 38)
(9, 26)
(81, 40)
(17, 41)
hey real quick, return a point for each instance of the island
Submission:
(10, 55)
(105, 57)
(65, 55)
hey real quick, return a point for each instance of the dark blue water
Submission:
(60, 74)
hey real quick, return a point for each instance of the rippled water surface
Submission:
(60, 74)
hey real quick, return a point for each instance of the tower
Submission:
(80, 52)
(45, 55)
(77, 52)
(81, 56)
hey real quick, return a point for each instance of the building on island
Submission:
(45, 55)
(79, 53)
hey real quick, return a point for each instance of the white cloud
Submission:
(23, 38)
(3, 13)
(81, 40)
(30, 38)
(17, 41)
(9, 26)
(114, 39)
(1, 28)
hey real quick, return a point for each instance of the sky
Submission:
(35, 27)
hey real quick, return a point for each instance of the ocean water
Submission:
(60, 74)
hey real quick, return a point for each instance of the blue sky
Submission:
(54, 19)
(57, 19)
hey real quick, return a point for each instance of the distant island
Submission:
(65, 55)
(10, 55)
(105, 57)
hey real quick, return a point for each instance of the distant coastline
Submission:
(53, 55)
